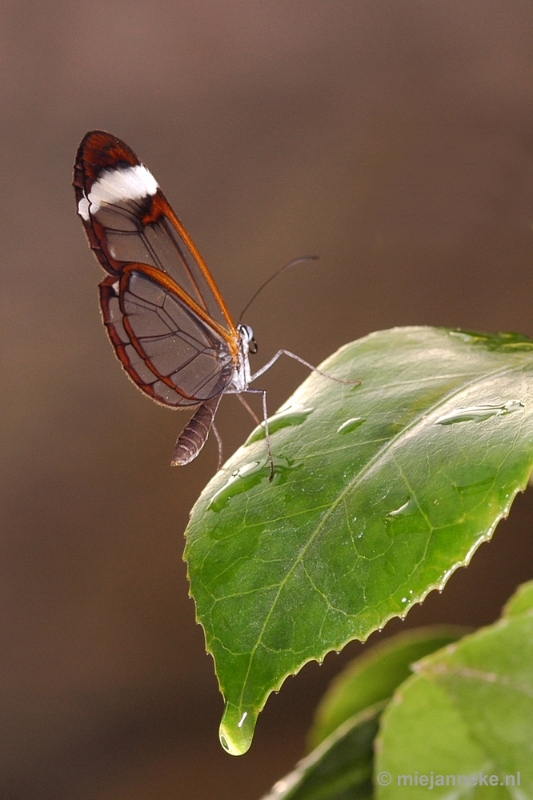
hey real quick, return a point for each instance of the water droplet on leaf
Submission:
(480, 413)
(409, 507)
(285, 419)
(240, 481)
(248, 476)
(350, 425)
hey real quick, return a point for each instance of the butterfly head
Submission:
(248, 343)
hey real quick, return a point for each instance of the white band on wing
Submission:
(115, 185)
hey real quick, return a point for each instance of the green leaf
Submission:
(375, 675)
(340, 769)
(521, 602)
(380, 492)
(469, 713)
(423, 737)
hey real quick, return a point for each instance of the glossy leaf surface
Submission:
(381, 491)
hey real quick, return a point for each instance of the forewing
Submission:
(128, 220)
(163, 313)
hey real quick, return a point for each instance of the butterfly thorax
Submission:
(242, 374)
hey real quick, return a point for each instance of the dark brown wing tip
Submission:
(100, 150)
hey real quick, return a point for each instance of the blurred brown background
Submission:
(394, 139)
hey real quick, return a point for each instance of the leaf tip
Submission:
(236, 730)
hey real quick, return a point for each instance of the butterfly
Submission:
(165, 317)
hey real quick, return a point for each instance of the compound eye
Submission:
(252, 344)
(247, 333)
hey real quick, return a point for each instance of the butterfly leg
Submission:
(195, 433)
(249, 409)
(263, 394)
(219, 443)
(301, 361)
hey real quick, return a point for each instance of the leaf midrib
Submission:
(362, 474)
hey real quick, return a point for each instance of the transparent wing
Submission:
(164, 314)
(133, 222)
(166, 348)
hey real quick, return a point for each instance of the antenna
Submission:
(275, 275)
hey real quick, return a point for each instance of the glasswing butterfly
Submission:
(164, 315)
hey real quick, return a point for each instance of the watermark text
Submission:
(431, 780)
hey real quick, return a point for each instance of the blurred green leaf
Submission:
(340, 768)
(380, 492)
(521, 601)
(465, 720)
(375, 675)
